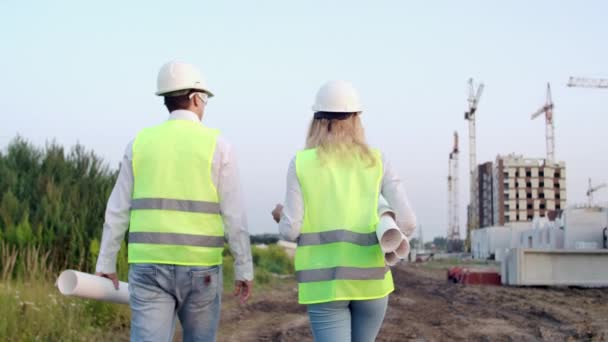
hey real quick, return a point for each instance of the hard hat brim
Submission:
(172, 90)
(316, 108)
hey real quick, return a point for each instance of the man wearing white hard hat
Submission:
(177, 194)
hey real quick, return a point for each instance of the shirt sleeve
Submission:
(226, 178)
(117, 215)
(394, 193)
(293, 210)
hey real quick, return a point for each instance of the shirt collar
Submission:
(182, 114)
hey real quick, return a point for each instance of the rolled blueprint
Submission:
(404, 247)
(391, 259)
(84, 285)
(388, 234)
(387, 231)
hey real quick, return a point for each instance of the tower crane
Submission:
(470, 115)
(585, 82)
(547, 109)
(453, 197)
(450, 199)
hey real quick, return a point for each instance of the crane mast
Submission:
(470, 115)
(453, 196)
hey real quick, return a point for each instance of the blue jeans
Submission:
(161, 293)
(344, 321)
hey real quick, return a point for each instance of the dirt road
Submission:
(424, 307)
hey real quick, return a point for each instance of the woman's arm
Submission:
(293, 210)
(394, 193)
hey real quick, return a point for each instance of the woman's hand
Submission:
(277, 212)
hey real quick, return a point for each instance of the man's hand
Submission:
(277, 212)
(112, 276)
(243, 288)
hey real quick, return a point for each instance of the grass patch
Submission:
(270, 264)
(272, 259)
(35, 311)
(32, 309)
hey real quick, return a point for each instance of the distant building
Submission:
(517, 189)
(526, 187)
(485, 193)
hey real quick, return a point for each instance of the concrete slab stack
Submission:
(536, 267)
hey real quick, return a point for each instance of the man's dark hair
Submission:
(178, 102)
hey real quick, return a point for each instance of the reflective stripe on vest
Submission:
(177, 205)
(341, 273)
(338, 255)
(176, 239)
(340, 235)
(175, 212)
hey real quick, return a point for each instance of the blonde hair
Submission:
(344, 139)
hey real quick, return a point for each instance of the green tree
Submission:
(23, 232)
(10, 210)
(53, 199)
(440, 243)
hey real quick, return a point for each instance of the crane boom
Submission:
(478, 95)
(584, 82)
(538, 113)
(473, 98)
(593, 189)
(596, 188)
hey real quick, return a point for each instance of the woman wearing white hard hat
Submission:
(330, 209)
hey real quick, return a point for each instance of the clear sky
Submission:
(85, 72)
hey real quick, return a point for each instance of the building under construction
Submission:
(520, 204)
(514, 188)
(517, 189)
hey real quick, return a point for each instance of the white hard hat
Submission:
(175, 76)
(337, 97)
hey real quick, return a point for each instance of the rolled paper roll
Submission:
(404, 247)
(389, 235)
(89, 286)
(391, 258)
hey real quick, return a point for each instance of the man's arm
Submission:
(233, 213)
(116, 219)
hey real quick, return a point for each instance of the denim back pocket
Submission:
(142, 282)
(206, 283)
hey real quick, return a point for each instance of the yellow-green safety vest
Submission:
(175, 212)
(338, 255)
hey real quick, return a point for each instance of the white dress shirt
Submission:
(391, 189)
(225, 177)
